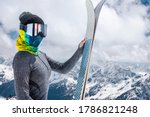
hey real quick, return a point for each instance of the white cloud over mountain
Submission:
(120, 33)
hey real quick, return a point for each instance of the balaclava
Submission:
(26, 42)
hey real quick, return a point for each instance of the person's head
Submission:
(32, 24)
(34, 28)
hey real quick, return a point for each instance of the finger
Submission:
(84, 40)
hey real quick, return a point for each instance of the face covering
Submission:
(28, 43)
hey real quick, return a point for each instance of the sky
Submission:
(123, 31)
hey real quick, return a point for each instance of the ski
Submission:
(92, 16)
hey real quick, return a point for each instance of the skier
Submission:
(32, 68)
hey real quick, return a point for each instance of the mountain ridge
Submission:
(107, 80)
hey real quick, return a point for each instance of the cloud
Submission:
(6, 44)
(121, 32)
(66, 22)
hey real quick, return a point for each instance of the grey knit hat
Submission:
(27, 18)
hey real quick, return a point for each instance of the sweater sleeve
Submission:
(21, 68)
(66, 66)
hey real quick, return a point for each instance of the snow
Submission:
(7, 71)
(2, 98)
(107, 80)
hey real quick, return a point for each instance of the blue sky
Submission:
(122, 32)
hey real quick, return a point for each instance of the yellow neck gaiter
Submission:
(23, 44)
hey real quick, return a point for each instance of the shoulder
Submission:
(41, 52)
(44, 56)
(23, 57)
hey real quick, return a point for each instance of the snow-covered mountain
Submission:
(107, 80)
(6, 72)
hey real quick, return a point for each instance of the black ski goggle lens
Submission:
(35, 29)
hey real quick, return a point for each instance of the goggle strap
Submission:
(23, 27)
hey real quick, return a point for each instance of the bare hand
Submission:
(82, 43)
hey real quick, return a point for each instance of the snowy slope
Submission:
(6, 72)
(113, 80)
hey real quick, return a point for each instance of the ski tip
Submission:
(89, 2)
(103, 1)
(100, 3)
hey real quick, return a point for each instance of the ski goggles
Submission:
(35, 29)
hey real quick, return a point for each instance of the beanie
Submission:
(27, 18)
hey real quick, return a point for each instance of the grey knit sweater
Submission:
(32, 73)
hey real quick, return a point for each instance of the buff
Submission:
(28, 43)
